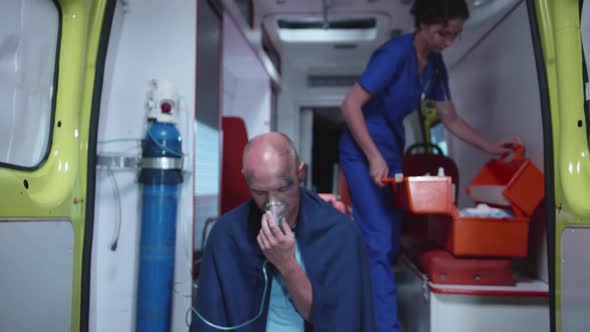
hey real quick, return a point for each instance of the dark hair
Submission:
(438, 11)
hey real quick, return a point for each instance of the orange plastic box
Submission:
(514, 184)
(415, 196)
(423, 194)
(479, 236)
(444, 268)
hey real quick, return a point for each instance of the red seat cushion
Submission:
(234, 189)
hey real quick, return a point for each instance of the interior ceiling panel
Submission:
(392, 15)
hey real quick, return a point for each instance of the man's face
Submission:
(279, 183)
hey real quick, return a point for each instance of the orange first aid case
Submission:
(444, 268)
(424, 194)
(415, 194)
(511, 183)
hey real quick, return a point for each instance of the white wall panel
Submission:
(253, 104)
(575, 273)
(460, 313)
(208, 125)
(246, 85)
(142, 46)
(288, 116)
(36, 279)
(495, 89)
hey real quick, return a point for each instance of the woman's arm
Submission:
(456, 125)
(352, 112)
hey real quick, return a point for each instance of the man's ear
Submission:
(301, 172)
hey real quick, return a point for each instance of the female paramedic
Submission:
(400, 75)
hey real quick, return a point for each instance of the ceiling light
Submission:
(479, 3)
(339, 31)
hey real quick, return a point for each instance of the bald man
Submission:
(285, 260)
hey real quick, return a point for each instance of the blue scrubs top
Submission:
(391, 77)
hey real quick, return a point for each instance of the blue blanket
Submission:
(231, 283)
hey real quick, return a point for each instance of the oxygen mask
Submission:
(277, 209)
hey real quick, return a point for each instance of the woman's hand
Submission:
(355, 120)
(378, 170)
(504, 146)
(456, 125)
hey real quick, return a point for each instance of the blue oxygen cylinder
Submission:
(161, 173)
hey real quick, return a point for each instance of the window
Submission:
(207, 150)
(437, 137)
(29, 35)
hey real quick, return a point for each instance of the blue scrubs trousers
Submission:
(379, 221)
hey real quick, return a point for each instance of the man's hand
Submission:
(277, 244)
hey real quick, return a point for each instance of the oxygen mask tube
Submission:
(248, 322)
(278, 210)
